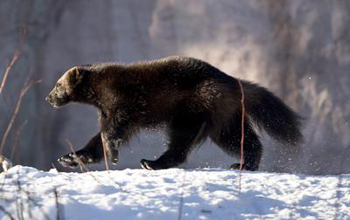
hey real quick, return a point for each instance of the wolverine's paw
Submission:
(69, 160)
(73, 160)
(114, 160)
(237, 166)
(149, 165)
(114, 156)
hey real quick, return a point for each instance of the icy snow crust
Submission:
(200, 194)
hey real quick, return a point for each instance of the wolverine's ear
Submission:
(76, 76)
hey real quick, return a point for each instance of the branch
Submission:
(15, 57)
(59, 215)
(24, 90)
(20, 206)
(81, 164)
(105, 158)
(7, 213)
(16, 138)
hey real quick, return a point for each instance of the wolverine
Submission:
(192, 99)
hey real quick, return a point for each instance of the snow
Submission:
(196, 194)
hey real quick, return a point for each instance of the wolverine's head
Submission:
(63, 91)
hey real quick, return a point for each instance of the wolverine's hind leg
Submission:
(91, 153)
(185, 130)
(229, 139)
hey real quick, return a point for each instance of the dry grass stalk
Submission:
(105, 157)
(82, 166)
(24, 204)
(28, 202)
(24, 90)
(59, 216)
(15, 57)
(8, 214)
(16, 138)
(20, 205)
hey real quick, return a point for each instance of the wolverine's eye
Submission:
(58, 84)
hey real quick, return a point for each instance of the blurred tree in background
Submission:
(298, 49)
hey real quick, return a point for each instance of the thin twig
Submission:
(57, 204)
(20, 206)
(241, 161)
(6, 213)
(15, 57)
(24, 90)
(16, 138)
(29, 199)
(82, 166)
(32, 201)
(58, 209)
(105, 157)
(3, 182)
(53, 166)
(80, 163)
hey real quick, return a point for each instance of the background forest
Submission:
(298, 49)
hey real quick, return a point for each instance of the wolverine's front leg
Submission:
(112, 136)
(91, 153)
(111, 146)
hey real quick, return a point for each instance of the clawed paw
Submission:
(114, 160)
(149, 165)
(73, 160)
(69, 160)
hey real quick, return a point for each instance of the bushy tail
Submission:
(271, 114)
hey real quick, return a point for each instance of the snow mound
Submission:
(27, 193)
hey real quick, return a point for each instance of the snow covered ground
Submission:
(27, 193)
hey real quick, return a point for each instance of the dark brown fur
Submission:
(192, 98)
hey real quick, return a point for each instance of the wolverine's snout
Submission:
(57, 100)
(50, 100)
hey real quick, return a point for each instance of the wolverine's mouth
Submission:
(56, 103)
(56, 106)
